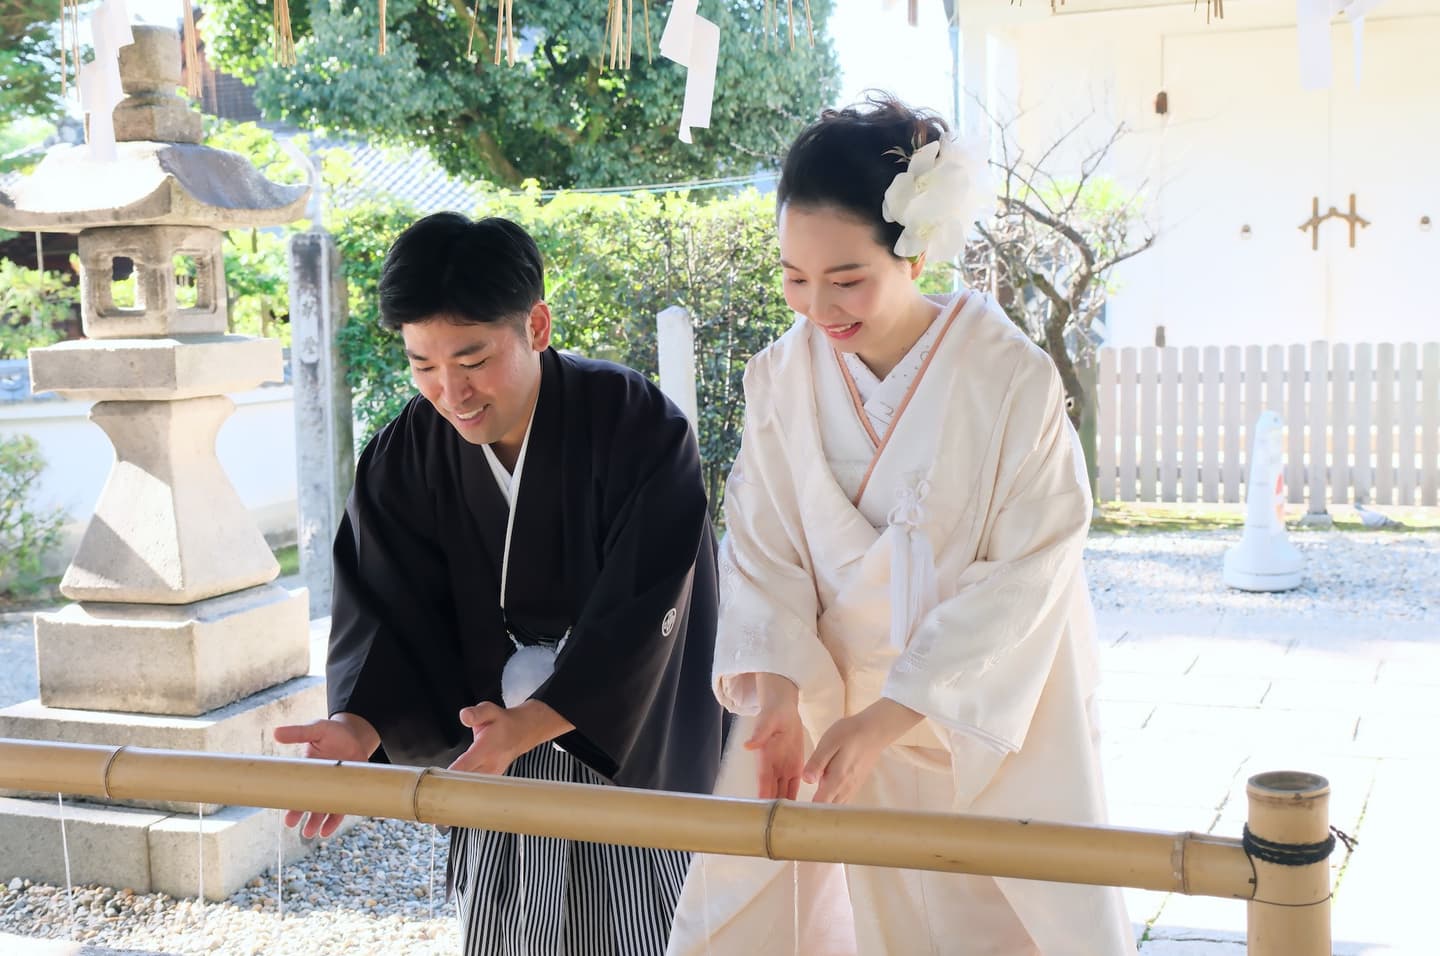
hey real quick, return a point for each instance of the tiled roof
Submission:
(409, 176)
(404, 175)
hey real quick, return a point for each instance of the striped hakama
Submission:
(539, 896)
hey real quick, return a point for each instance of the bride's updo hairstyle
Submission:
(848, 158)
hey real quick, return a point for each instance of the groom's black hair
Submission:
(447, 266)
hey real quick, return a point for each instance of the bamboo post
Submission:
(1289, 842)
(1192, 863)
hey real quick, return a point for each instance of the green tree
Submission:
(27, 535)
(32, 302)
(30, 59)
(557, 115)
(1049, 253)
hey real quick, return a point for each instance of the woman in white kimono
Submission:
(904, 618)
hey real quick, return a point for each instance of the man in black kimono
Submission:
(524, 584)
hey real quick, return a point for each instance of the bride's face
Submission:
(837, 276)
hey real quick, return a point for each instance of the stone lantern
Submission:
(179, 637)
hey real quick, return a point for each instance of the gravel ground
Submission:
(367, 890)
(1370, 576)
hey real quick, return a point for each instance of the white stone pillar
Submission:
(324, 439)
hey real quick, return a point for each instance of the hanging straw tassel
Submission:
(790, 21)
(505, 31)
(70, 51)
(510, 27)
(192, 50)
(474, 28)
(284, 39)
(649, 53)
(809, 23)
(614, 30)
(64, 57)
(384, 46)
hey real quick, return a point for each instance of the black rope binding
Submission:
(1292, 854)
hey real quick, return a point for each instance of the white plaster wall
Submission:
(256, 446)
(1244, 144)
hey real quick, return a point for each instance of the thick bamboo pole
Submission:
(1290, 842)
(1190, 863)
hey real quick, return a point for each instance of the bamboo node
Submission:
(1177, 862)
(105, 774)
(415, 793)
(770, 827)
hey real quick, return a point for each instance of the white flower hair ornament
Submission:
(945, 188)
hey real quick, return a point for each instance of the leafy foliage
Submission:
(26, 535)
(557, 115)
(30, 59)
(256, 269)
(1049, 253)
(31, 303)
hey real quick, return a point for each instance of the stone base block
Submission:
(166, 369)
(187, 659)
(243, 727)
(238, 843)
(143, 851)
(108, 845)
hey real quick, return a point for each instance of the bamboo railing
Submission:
(1289, 911)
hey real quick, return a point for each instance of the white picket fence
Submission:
(1362, 422)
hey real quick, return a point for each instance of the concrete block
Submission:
(243, 727)
(156, 659)
(237, 843)
(169, 527)
(151, 370)
(108, 845)
(142, 850)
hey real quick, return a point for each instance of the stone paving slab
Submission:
(1194, 705)
(23, 946)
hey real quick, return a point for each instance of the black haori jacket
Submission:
(611, 542)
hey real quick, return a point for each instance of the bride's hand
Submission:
(779, 738)
(846, 756)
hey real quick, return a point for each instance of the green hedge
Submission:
(612, 264)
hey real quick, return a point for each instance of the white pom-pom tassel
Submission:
(525, 671)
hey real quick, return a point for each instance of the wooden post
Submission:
(1089, 375)
(675, 345)
(1289, 827)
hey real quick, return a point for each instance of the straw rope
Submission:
(283, 36)
(69, 51)
(192, 49)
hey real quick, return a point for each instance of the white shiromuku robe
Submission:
(917, 538)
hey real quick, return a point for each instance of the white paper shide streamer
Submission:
(693, 42)
(99, 79)
(1312, 27)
